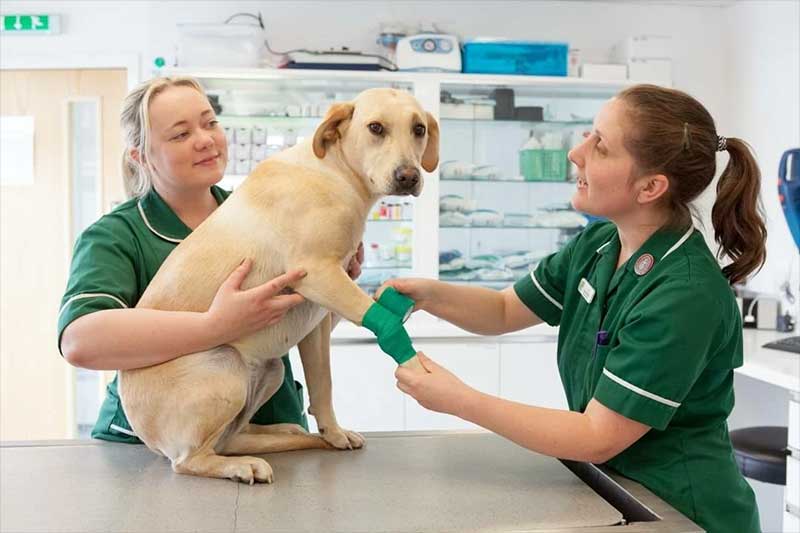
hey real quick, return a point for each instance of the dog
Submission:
(305, 207)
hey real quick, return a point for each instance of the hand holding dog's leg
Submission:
(315, 354)
(329, 286)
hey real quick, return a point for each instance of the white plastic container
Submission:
(604, 71)
(657, 71)
(220, 45)
(242, 167)
(244, 135)
(243, 151)
(259, 135)
(258, 152)
(643, 47)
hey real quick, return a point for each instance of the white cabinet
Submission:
(529, 375)
(365, 397)
(476, 363)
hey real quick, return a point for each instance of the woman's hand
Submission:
(438, 390)
(354, 268)
(418, 289)
(235, 313)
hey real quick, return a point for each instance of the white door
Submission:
(77, 149)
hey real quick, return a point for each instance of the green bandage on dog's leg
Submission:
(397, 303)
(392, 336)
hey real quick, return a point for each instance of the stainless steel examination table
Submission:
(436, 481)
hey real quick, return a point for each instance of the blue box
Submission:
(515, 57)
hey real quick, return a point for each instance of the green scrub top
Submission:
(656, 341)
(113, 262)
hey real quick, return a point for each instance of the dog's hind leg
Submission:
(186, 406)
(315, 354)
(271, 429)
(257, 443)
(208, 464)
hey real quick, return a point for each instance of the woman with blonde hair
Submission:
(175, 154)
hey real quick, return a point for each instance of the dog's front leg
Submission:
(328, 285)
(315, 354)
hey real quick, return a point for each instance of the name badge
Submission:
(586, 290)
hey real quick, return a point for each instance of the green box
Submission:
(543, 165)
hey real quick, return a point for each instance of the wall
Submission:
(763, 91)
(149, 28)
(723, 52)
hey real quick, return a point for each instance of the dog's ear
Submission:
(430, 158)
(328, 131)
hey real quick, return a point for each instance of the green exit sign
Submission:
(30, 24)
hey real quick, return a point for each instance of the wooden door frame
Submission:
(75, 61)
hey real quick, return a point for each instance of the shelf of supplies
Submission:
(526, 123)
(515, 227)
(227, 78)
(270, 118)
(486, 283)
(387, 266)
(507, 180)
(390, 220)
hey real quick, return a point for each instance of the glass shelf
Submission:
(525, 123)
(387, 266)
(560, 228)
(224, 117)
(507, 180)
(492, 284)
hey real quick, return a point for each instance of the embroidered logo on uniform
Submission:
(644, 264)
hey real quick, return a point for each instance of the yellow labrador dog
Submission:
(304, 208)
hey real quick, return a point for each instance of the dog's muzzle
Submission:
(406, 180)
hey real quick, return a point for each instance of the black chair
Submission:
(761, 452)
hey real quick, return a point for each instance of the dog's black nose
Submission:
(406, 177)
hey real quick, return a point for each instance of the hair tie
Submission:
(722, 143)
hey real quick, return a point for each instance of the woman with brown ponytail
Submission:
(649, 329)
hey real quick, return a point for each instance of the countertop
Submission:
(425, 481)
(779, 368)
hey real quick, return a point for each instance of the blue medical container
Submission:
(515, 57)
(789, 190)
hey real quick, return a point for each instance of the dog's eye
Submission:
(376, 128)
(419, 130)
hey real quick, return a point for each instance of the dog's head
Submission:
(385, 137)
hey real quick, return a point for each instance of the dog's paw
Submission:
(250, 470)
(342, 439)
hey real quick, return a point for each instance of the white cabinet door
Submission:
(364, 394)
(529, 374)
(474, 363)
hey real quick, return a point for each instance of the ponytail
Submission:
(671, 133)
(738, 215)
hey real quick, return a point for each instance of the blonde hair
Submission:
(135, 121)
